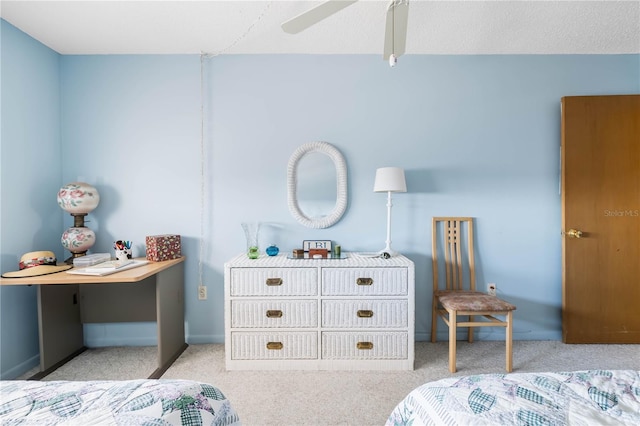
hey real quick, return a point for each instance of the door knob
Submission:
(574, 233)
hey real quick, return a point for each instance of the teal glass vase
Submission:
(272, 250)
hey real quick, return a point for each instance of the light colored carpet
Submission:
(117, 363)
(340, 397)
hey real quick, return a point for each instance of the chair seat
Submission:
(472, 301)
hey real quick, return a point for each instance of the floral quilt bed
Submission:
(595, 397)
(128, 402)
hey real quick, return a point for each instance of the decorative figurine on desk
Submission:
(78, 198)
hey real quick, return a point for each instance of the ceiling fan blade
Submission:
(395, 35)
(315, 15)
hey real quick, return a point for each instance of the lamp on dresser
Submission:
(389, 179)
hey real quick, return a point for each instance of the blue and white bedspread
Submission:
(128, 402)
(598, 397)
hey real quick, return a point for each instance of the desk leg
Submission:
(60, 329)
(170, 317)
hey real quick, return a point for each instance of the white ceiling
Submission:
(234, 27)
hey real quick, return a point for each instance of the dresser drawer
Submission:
(363, 345)
(364, 281)
(276, 345)
(365, 313)
(274, 313)
(274, 282)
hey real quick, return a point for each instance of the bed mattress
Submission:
(576, 398)
(130, 402)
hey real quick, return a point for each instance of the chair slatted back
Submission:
(455, 231)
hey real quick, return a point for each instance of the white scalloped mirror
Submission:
(317, 185)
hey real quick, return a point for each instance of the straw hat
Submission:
(37, 263)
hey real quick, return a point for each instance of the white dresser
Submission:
(355, 313)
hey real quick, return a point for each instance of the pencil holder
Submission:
(123, 250)
(122, 254)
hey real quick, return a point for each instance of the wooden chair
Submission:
(457, 299)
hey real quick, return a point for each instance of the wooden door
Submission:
(601, 199)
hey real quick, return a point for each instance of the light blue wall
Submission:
(30, 157)
(131, 127)
(478, 136)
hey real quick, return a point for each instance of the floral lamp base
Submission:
(77, 241)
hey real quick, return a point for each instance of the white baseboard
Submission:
(21, 368)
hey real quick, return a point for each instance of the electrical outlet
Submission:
(202, 292)
(492, 289)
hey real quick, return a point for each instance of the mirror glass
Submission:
(316, 189)
(317, 185)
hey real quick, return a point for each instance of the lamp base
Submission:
(77, 241)
(387, 253)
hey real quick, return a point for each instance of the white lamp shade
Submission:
(390, 179)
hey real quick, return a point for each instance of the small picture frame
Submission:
(316, 244)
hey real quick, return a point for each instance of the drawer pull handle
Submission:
(274, 281)
(365, 313)
(274, 345)
(274, 313)
(364, 345)
(364, 281)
